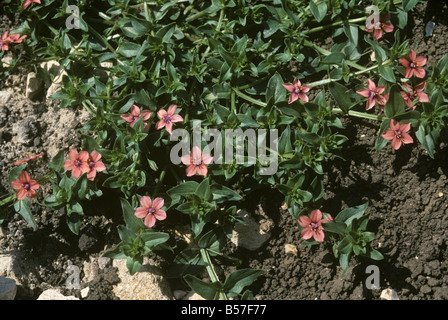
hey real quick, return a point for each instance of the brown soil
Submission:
(407, 193)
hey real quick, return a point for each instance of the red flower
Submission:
(313, 226)
(413, 65)
(25, 186)
(168, 118)
(94, 165)
(297, 91)
(196, 162)
(414, 92)
(77, 163)
(150, 210)
(373, 93)
(398, 133)
(381, 26)
(5, 41)
(135, 115)
(28, 157)
(29, 2)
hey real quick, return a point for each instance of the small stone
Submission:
(440, 194)
(8, 288)
(4, 96)
(291, 249)
(103, 262)
(85, 292)
(249, 235)
(425, 289)
(179, 294)
(389, 294)
(54, 294)
(193, 296)
(33, 86)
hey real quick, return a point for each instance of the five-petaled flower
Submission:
(381, 26)
(94, 165)
(150, 210)
(398, 133)
(196, 162)
(373, 94)
(28, 157)
(297, 91)
(25, 186)
(7, 38)
(312, 226)
(77, 163)
(135, 115)
(29, 2)
(168, 118)
(413, 65)
(414, 92)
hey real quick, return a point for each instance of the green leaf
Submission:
(22, 208)
(374, 254)
(386, 72)
(57, 163)
(133, 27)
(203, 190)
(275, 92)
(319, 10)
(129, 49)
(335, 227)
(207, 290)
(238, 280)
(395, 103)
(339, 93)
(134, 264)
(223, 194)
(152, 238)
(347, 215)
(334, 58)
(380, 142)
(132, 222)
(15, 172)
(188, 261)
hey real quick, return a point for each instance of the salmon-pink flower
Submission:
(28, 157)
(373, 93)
(77, 163)
(414, 92)
(413, 65)
(5, 41)
(94, 165)
(150, 210)
(398, 133)
(313, 226)
(381, 26)
(168, 118)
(135, 115)
(196, 162)
(29, 2)
(297, 91)
(25, 186)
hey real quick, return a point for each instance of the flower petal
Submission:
(293, 97)
(158, 203)
(388, 134)
(364, 92)
(319, 236)
(371, 85)
(406, 138)
(160, 214)
(149, 221)
(161, 113)
(404, 62)
(207, 158)
(304, 221)
(307, 233)
(191, 170)
(202, 170)
(141, 212)
(146, 201)
(172, 109)
(396, 143)
(288, 86)
(419, 72)
(176, 118)
(316, 215)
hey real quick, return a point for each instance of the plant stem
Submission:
(334, 24)
(88, 109)
(360, 114)
(247, 98)
(159, 183)
(211, 271)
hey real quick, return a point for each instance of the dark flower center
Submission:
(91, 163)
(26, 186)
(413, 65)
(135, 117)
(197, 162)
(77, 163)
(167, 118)
(151, 210)
(314, 226)
(398, 134)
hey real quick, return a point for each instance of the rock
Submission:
(389, 294)
(26, 131)
(34, 86)
(54, 294)
(4, 96)
(6, 263)
(8, 288)
(179, 294)
(55, 73)
(146, 284)
(249, 235)
(103, 262)
(193, 296)
(85, 292)
(291, 249)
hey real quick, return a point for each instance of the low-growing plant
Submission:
(160, 79)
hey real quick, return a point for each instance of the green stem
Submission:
(360, 114)
(159, 183)
(211, 271)
(247, 98)
(334, 24)
(88, 109)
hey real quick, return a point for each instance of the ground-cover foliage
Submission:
(180, 73)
